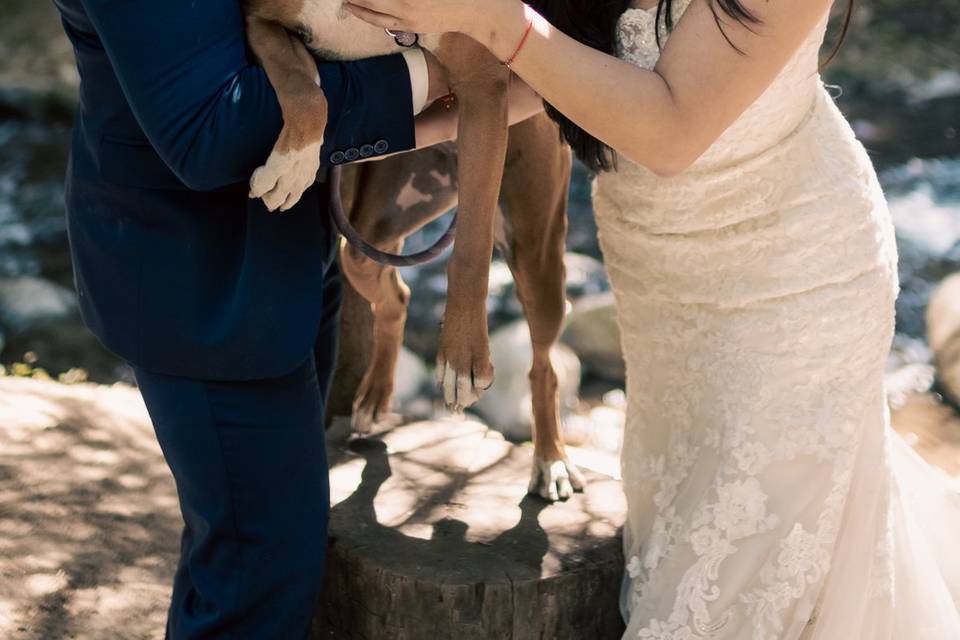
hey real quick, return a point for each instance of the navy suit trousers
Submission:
(250, 467)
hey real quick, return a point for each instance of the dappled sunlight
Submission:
(40, 584)
(932, 429)
(89, 523)
(345, 478)
(605, 462)
(397, 496)
(450, 521)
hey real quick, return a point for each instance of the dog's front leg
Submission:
(479, 82)
(293, 164)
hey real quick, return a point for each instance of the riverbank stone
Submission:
(592, 332)
(27, 300)
(943, 333)
(507, 405)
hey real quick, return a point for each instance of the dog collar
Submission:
(404, 38)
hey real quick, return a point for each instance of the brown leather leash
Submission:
(390, 259)
(404, 39)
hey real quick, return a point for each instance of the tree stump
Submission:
(432, 537)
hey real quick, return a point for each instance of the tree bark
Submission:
(433, 537)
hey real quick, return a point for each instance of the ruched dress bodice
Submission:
(755, 298)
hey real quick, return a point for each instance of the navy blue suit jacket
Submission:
(177, 270)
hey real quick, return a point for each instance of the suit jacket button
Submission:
(352, 154)
(381, 146)
(366, 151)
(337, 157)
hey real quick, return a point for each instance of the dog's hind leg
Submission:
(479, 82)
(534, 202)
(293, 164)
(388, 296)
(391, 199)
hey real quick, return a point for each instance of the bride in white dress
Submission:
(754, 265)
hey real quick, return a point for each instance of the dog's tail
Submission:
(594, 23)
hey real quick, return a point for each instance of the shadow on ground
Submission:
(89, 523)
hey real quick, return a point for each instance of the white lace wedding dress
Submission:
(768, 497)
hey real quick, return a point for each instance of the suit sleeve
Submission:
(211, 115)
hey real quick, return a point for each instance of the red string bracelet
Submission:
(523, 41)
(448, 101)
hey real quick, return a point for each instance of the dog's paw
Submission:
(555, 480)
(280, 183)
(366, 424)
(371, 409)
(465, 384)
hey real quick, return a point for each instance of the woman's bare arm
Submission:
(663, 119)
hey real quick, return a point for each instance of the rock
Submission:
(943, 83)
(943, 333)
(27, 300)
(428, 286)
(503, 307)
(433, 536)
(586, 276)
(428, 296)
(599, 430)
(353, 357)
(593, 334)
(909, 369)
(507, 404)
(923, 196)
(58, 345)
(409, 377)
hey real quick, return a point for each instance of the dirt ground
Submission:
(89, 523)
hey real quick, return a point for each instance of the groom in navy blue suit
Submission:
(217, 304)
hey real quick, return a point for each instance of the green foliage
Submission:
(27, 370)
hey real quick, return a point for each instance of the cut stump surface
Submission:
(433, 537)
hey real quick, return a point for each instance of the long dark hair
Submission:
(594, 23)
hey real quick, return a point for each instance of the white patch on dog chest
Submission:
(336, 34)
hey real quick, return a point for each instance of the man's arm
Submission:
(210, 114)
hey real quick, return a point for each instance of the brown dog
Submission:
(533, 198)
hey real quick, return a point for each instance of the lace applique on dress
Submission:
(755, 300)
(636, 34)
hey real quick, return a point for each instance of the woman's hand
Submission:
(663, 118)
(418, 16)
